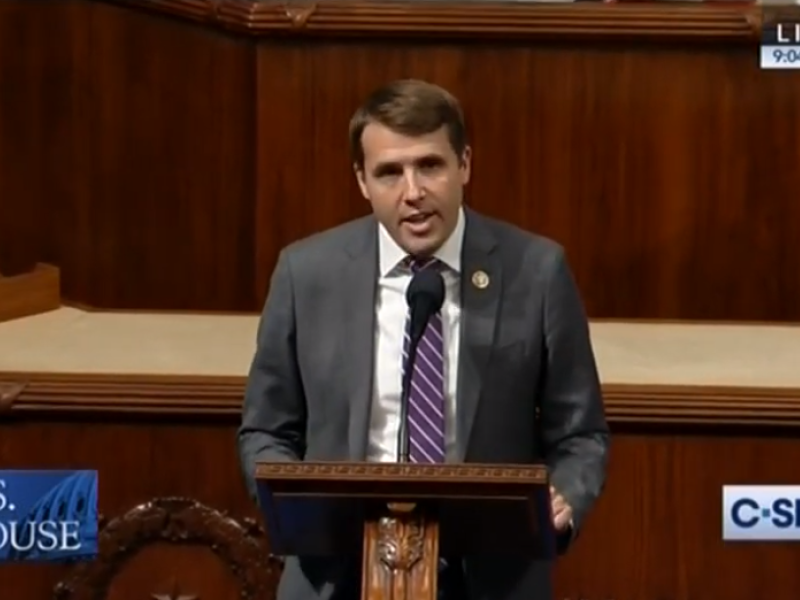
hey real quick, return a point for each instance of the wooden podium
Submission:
(402, 517)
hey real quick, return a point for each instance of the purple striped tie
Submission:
(426, 398)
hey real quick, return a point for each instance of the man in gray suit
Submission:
(513, 379)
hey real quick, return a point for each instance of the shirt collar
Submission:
(391, 255)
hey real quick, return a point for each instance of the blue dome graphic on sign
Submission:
(72, 501)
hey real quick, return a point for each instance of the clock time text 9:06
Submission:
(780, 57)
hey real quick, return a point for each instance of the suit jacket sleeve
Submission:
(274, 411)
(573, 425)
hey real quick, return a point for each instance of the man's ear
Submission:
(466, 165)
(361, 179)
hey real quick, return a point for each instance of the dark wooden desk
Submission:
(170, 432)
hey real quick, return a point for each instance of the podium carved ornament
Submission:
(354, 471)
(400, 544)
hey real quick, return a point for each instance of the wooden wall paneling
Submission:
(42, 159)
(170, 216)
(129, 155)
(655, 534)
(186, 142)
(641, 162)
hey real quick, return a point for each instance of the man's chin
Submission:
(420, 245)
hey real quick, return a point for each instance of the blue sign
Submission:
(48, 516)
(761, 513)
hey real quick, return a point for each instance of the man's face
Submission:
(415, 185)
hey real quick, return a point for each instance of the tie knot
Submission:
(418, 264)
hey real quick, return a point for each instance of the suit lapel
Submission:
(358, 284)
(481, 287)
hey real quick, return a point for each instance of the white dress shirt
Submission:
(391, 315)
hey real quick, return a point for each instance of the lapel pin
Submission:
(480, 280)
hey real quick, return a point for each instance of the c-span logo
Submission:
(761, 512)
(48, 516)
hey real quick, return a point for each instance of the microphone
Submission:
(424, 296)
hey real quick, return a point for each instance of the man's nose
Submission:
(413, 188)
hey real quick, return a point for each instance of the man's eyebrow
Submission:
(426, 158)
(387, 163)
(384, 167)
(431, 157)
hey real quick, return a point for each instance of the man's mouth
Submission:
(419, 224)
(418, 218)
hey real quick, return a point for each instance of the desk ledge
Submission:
(199, 397)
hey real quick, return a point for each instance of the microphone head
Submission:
(425, 296)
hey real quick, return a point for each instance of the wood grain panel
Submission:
(184, 142)
(129, 155)
(655, 534)
(41, 155)
(643, 163)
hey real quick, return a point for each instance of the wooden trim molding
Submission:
(120, 394)
(469, 19)
(703, 405)
(44, 394)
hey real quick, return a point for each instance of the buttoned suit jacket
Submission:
(527, 390)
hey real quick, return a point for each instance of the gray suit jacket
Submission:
(528, 387)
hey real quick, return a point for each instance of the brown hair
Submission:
(409, 107)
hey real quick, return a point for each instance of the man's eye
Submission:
(430, 164)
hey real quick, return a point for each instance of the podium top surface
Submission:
(318, 508)
(402, 480)
(530, 475)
